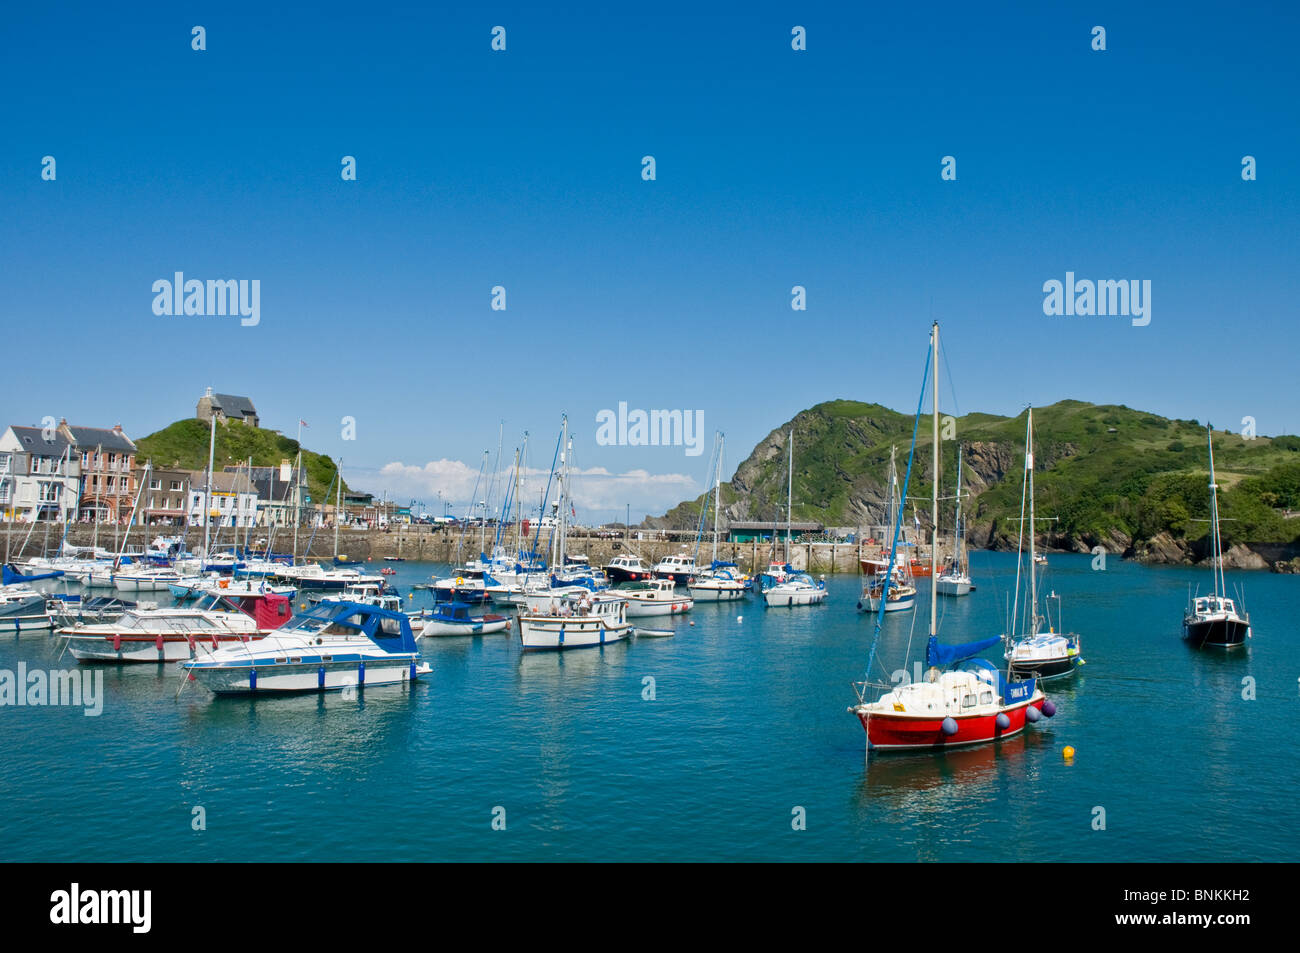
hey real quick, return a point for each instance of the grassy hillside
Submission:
(185, 444)
(1107, 473)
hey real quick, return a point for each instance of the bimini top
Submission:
(390, 630)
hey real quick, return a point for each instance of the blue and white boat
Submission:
(341, 645)
(456, 618)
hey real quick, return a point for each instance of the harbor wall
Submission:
(439, 544)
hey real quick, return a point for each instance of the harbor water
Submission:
(729, 741)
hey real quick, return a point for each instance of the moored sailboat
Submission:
(1213, 621)
(970, 703)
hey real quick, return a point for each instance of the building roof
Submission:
(232, 405)
(90, 438)
(33, 440)
(223, 481)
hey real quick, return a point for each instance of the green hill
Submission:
(184, 444)
(1111, 475)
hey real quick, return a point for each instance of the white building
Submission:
(232, 500)
(40, 475)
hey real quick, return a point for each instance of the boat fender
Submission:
(117, 642)
(949, 727)
(1049, 707)
(1032, 714)
(1003, 722)
(859, 605)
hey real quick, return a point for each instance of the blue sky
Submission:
(522, 169)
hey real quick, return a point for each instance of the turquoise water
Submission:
(747, 724)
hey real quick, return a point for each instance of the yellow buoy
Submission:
(1068, 752)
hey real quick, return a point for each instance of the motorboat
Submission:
(333, 646)
(799, 589)
(457, 618)
(627, 568)
(653, 597)
(170, 635)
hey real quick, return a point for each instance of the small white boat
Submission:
(144, 580)
(653, 597)
(718, 585)
(339, 645)
(22, 609)
(799, 589)
(454, 618)
(579, 620)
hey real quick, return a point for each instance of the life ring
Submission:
(460, 580)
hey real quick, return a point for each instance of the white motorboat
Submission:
(718, 585)
(653, 597)
(799, 589)
(170, 635)
(132, 579)
(339, 645)
(579, 620)
(455, 618)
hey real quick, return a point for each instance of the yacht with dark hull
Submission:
(1213, 621)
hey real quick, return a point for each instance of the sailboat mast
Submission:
(564, 494)
(296, 476)
(958, 540)
(934, 496)
(207, 489)
(338, 504)
(789, 498)
(1220, 587)
(1033, 566)
(717, 496)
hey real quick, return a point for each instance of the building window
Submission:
(112, 458)
(155, 484)
(176, 484)
(108, 484)
(4, 462)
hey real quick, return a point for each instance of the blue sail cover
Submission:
(941, 655)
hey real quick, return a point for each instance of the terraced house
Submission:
(39, 475)
(107, 461)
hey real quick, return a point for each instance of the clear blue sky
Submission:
(775, 168)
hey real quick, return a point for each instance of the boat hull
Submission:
(952, 587)
(888, 731)
(1044, 669)
(709, 594)
(438, 628)
(1216, 633)
(541, 634)
(872, 604)
(808, 597)
(107, 648)
(309, 675)
(637, 609)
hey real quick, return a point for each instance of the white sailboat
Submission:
(900, 594)
(721, 582)
(954, 579)
(1037, 653)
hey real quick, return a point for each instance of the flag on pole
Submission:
(302, 423)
